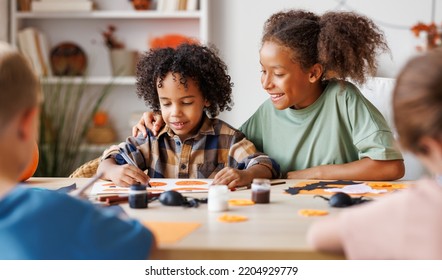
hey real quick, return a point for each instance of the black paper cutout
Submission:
(319, 185)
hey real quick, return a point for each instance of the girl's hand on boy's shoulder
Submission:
(232, 177)
(149, 120)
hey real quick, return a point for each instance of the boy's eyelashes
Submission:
(182, 103)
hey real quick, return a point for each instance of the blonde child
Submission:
(403, 225)
(44, 224)
(189, 86)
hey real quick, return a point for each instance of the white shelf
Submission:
(89, 80)
(110, 15)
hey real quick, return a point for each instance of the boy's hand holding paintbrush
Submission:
(123, 175)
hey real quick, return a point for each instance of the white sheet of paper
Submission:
(106, 187)
(355, 189)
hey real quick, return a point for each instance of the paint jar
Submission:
(218, 198)
(261, 190)
(138, 196)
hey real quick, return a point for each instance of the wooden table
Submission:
(273, 231)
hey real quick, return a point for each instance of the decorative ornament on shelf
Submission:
(433, 35)
(432, 32)
(101, 132)
(123, 61)
(171, 41)
(140, 5)
(68, 59)
(110, 40)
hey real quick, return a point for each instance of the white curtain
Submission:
(4, 20)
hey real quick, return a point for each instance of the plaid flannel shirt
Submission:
(215, 146)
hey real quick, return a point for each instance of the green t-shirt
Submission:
(340, 127)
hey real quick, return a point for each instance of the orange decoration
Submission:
(190, 183)
(141, 4)
(32, 165)
(157, 184)
(100, 118)
(312, 212)
(189, 189)
(170, 40)
(241, 202)
(232, 218)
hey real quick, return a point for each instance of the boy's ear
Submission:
(27, 125)
(206, 103)
(315, 73)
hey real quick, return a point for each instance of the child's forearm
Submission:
(106, 167)
(259, 171)
(365, 169)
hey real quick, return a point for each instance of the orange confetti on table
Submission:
(241, 202)
(232, 218)
(170, 232)
(312, 212)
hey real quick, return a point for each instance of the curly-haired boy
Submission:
(189, 86)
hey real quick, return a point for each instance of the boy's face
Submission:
(181, 108)
(285, 81)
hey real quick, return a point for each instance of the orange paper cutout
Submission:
(189, 189)
(232, 218)
(115, 190)
(170, 232)
(312, 212)
(190, 183)
(241, 202)
(157, 184)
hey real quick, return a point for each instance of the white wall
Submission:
(236, 26)
(4, 17)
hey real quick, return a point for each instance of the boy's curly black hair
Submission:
(345, 43)
(191, 61)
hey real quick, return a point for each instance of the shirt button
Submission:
(183, 166)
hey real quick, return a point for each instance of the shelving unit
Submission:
(134, 28)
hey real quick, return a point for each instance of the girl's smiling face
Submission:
(182, 108)
(287, 83)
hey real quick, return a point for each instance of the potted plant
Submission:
(66, 115)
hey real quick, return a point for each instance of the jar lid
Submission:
(218, 189)
(260, 181)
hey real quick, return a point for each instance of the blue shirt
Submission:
(47, 225)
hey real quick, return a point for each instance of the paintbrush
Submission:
(80, 191)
